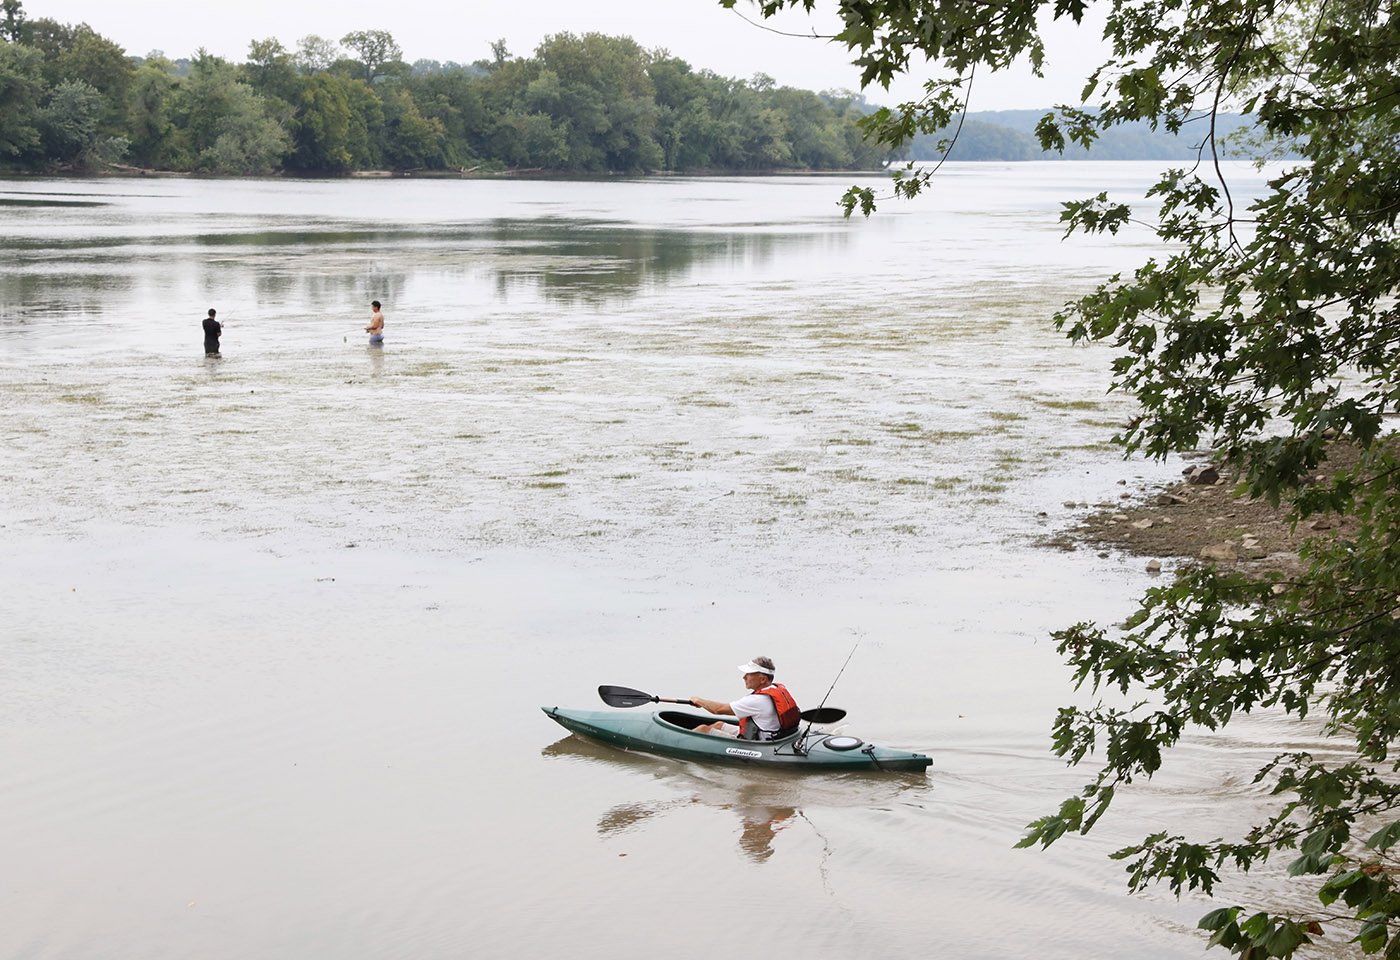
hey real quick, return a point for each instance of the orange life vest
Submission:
(788, 714)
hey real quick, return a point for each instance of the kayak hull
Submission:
(668, 733)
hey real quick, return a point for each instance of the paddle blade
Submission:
(821, 714)
(624, 696)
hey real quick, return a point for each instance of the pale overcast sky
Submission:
(700, 32)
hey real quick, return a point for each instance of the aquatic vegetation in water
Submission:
(429, 368)
(1070, 404)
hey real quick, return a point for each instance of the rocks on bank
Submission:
(1199, 518)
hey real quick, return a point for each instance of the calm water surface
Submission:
(277, 627)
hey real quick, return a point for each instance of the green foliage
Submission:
(270, 70)
(223, 126)
(315, 54)
(78, 54)
(366, 125)
(411, 140)
(453, 98)
(597, 90)
(322, 137)
(11, 20)
(1269, 333)
(21, 86)
(591, 103)
(148, 114)
(375, 48)
(70, 124)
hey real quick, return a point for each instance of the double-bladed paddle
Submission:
(627, 697)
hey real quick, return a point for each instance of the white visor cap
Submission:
(752, 667)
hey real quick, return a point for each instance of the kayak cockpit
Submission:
(686, 721)
(689, 721)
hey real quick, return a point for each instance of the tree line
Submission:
(73, 100)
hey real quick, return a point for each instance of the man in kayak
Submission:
(767, 712)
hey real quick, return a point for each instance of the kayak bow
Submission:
(670, 733)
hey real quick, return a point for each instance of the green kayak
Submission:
(670, 733)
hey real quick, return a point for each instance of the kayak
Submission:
(670, 733)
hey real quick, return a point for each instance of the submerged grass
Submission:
(1070, 404)
(916, 432)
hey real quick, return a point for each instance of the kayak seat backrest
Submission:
(751, 732)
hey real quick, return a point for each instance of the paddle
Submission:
(627, 697)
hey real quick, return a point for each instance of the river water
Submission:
(277, 626)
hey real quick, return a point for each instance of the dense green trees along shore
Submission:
(72, 100)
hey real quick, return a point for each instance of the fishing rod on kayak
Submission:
(821, 707)
(838, 674)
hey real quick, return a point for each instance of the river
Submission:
(277, 626)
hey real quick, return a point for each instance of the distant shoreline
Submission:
(137, 173)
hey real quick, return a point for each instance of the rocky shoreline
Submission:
(1200, 519)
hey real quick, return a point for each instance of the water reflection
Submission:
(765, 801)
(16, 202)
(564, 262)
(761, 825)
(571, 262)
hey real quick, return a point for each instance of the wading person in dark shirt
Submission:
(212, 330)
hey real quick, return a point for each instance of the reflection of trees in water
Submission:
(557, 260)
(563, 261)
(36, 296)
(342, 295)
(573, 261)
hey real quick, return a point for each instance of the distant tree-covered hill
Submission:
(1010, 135)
